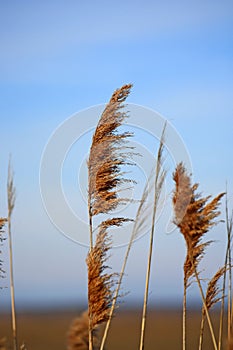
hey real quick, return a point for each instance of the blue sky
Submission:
(58, 58)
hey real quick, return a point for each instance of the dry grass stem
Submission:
(230, 342)
(160, 174)
(229, 226)
(228, 267)
(11, 205)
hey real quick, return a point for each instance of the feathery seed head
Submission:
(213, 289)
(194, 217)
(78, 338)
(105, 160)
(100, 294)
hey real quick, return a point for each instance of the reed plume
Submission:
(78, 334)
(212, 298)
(194, 216)
(99, 283)
(108, 154)
(106, 159)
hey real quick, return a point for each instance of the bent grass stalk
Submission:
(158, 184)
(137, 227)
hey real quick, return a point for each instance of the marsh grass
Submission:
(194, 215)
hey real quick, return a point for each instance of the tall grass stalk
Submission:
(160, 174)
(107, 156)
(228, 267)
(184, 315)
(220, 333)
(11, 204)
(229, 226)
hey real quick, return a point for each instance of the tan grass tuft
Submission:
(100, 294)
(78, 334)
(213, 289)
(212, 298)
(193, 215)
(105, 160)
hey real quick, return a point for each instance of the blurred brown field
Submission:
(47, 330)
